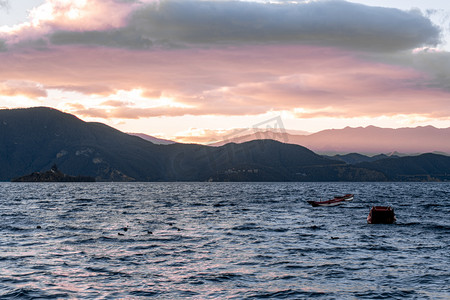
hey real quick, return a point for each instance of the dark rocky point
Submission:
(53, 175)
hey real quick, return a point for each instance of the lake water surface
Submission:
(222, 241)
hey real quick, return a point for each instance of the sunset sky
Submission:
(178, 68)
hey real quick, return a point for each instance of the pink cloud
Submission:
(88, 89)
(232, 81)
(23, 88)
(114, 103)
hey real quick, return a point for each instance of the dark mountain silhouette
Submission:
(425, 167)
(368, 140)
(32, 140)
(355, 158)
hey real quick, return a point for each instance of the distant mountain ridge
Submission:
(152, 139)
(355, 158)
(364, 140)
(32, 140)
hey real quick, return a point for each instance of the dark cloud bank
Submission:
(327, 23)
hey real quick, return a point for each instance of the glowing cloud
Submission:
(24, 88)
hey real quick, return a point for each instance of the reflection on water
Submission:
(222, 240)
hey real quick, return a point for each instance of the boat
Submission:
(333, 202)
(381, 215)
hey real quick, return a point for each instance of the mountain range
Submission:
(34, 139)
(369, 140)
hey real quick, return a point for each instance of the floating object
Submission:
(381, 215)
(333, 202)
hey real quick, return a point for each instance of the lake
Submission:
(222, 241)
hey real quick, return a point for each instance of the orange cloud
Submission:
(23, 88)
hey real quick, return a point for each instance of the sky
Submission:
(184, 69)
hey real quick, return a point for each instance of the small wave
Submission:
(189, 293)
(381, 248)
(31, 293)
(32, 244)
(328, 266)
(332, 274)
(356, 207)
(431, 279)
(100, 258)
(84, 199)
(199, 204)
(263, 257)
(285, 294)
(285, 277)
(247, 263)
(107, 272)
(406, 294)
(216, 277)
(80, 242)
(297, 267)
(246, 226)
(139, 293)
(224, 203)
(409, 224)
(302, 235)
(130, 207)
(41, 267)
(431, 205)
(314, 227)
(143, 247)
(438, 227)
(309, 250)
(13, 280)
(14, 228)
(280, 229)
